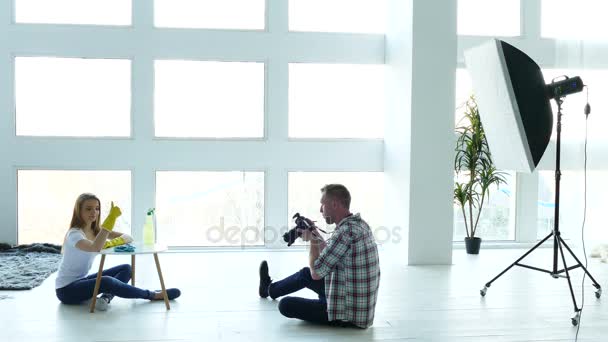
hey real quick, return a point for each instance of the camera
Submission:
(301, 223)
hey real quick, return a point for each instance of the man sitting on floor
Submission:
(344, 270)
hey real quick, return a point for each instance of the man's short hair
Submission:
(338, 192)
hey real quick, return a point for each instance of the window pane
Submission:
(336, 101)
(92, 12)
(546, 202)
(357, 16)
(567, 19)
(497, 220)
(46, 200)
(210, 208)
(73, 96)
(489, 17)
(367, 198)
(571, 203)
(206, 99)
(464, 89)
(218, 14)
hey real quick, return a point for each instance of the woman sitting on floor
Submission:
(82, 243)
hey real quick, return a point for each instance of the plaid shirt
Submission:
(351, 268)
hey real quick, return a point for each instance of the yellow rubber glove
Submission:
(114, 242)
(109, 222)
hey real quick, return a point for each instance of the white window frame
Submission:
(142, 43)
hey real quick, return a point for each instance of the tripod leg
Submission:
(488, 284)
(576, 318)
(598, 293)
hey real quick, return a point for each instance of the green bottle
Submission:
(149, 229)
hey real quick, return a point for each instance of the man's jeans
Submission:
(312, 310)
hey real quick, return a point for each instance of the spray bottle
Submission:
(149, 228)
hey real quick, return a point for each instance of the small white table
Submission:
(140, 248)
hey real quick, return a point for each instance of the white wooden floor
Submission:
(219, 303)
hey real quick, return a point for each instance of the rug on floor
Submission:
(24, 267)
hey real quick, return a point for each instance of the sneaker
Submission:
(171, 294)
(102, 303)
(265, 280)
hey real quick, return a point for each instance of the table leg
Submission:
(132, 269)
(97, 283)
(162, 282)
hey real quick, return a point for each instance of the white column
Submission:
(419, 139)
(143, 171)
(8, 179)
(275, 192)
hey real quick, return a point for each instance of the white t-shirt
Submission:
(75, 263)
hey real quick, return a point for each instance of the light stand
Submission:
(558, 242)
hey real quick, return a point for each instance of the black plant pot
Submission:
(472, 244)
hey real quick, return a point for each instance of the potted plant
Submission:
(473, 163)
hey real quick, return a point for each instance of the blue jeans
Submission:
(312, 310)
(114, 282)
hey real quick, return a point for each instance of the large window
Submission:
(181, 93)
(73, 97)
(90, 12)
(46, 200)
(214, 14)
(361, 16)
(336, 101)
(572, 185)
(581, 19)
(196, 99)
(573, 134)
(577, 48)
(489, 17)
(571, 203)
(546, 202)
(497, 220)
(206, 209)
(367, 198)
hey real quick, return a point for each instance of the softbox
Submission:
(513, 104)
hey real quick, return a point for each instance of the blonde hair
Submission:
(77, 221)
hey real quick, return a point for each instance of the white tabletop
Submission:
(140, 248)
